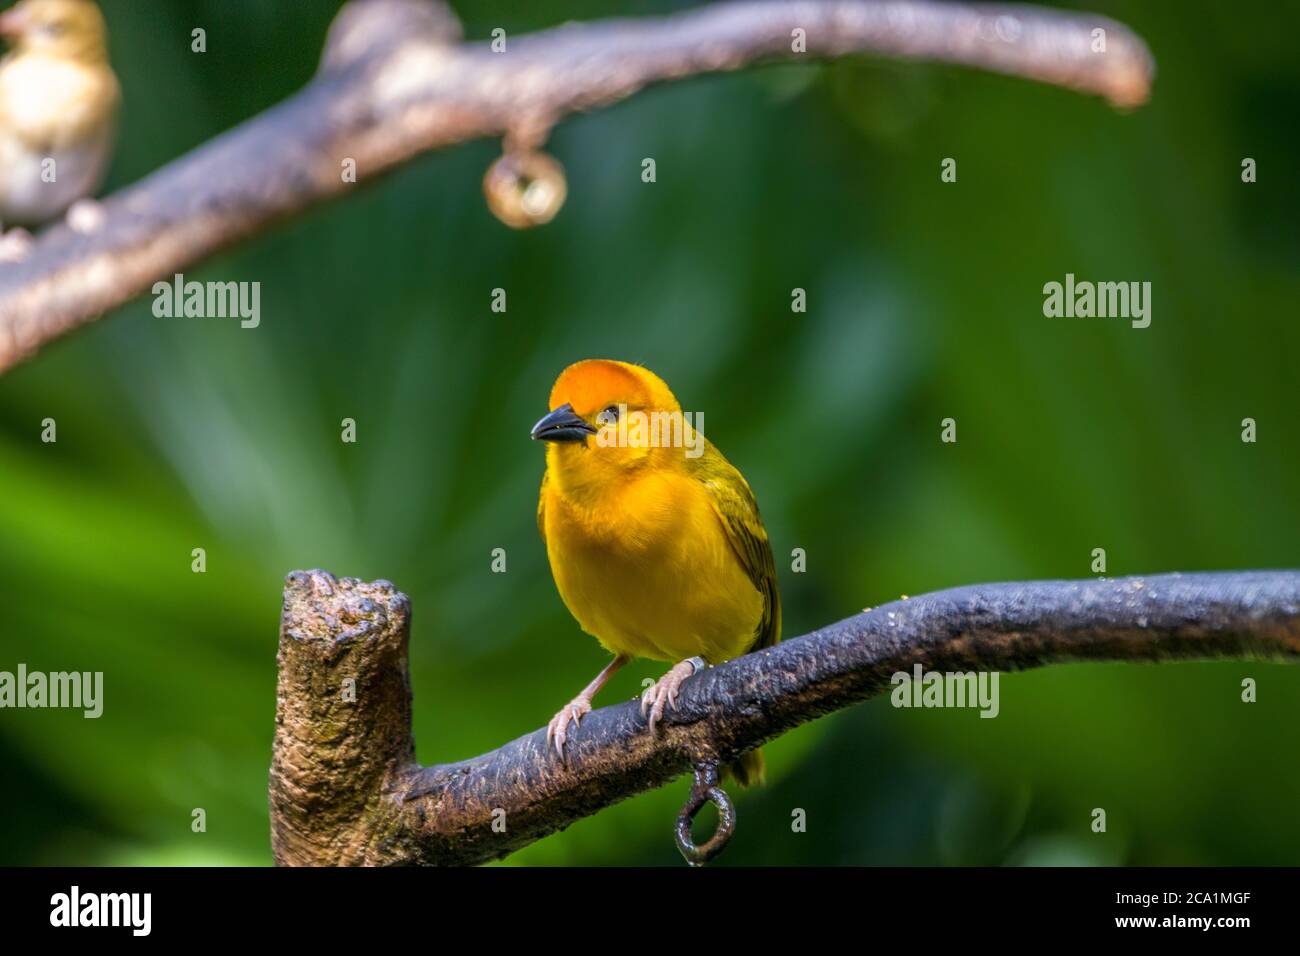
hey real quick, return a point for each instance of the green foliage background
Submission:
(925, 302)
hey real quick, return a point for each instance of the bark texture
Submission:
(396, 81)
(345, 787)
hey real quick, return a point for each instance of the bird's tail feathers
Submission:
(748, 770)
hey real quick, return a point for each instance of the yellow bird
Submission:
(58, 115)
(654, 538)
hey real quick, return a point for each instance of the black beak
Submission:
(562, 425)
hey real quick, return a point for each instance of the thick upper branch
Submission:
(395, 82)
(446, 813)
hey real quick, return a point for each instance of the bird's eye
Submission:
(609, 416)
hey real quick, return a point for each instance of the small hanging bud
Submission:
(525, 189)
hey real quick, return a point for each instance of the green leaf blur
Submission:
(925, 302)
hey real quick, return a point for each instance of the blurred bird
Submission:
(655, 552)
(58, 115)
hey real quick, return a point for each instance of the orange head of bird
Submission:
(607, 417)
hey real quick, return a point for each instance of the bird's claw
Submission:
(557, 731)
(15, 245)
(662, 694)
(85, 217)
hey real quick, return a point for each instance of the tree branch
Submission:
(396, 82)
(345, 787)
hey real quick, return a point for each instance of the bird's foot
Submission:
(557, 731)
(662, 694)
(86, 216)
(15, 245)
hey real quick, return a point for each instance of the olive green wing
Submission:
(737, 508)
